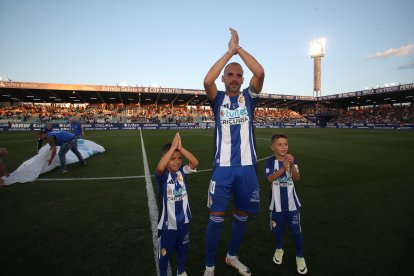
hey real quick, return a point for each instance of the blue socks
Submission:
(237, 232)
(213, 234)
(212, 238)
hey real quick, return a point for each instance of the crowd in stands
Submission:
(182, 114)
(266, 115)
(28, 113)
(167, 114)
(379, 115)
(57, 113)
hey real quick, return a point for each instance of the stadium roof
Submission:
(15, 92)
(402, 93)
(97, 94)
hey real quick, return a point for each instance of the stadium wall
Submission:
(136, 126)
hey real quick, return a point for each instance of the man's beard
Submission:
(233, 88)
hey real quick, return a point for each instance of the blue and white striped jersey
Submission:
(284, 197)
(234, 135)
(173, 199)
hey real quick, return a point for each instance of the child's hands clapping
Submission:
(176, 142)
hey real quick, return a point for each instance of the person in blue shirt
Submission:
(77, 128)
(175, 215)
(235, 159)
(48, 128)
(67, 141)
(281, 171)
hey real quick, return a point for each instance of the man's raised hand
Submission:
(234, 42)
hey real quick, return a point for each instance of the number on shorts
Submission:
(212, 187)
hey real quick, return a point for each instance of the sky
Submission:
(174, 43)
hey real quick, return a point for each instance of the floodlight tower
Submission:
(317, 51)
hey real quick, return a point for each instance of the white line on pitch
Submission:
(261, 159)
(118, 177)
(152, 206)
(17, 141)
(92, 178)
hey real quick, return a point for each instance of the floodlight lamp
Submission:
(317, 47)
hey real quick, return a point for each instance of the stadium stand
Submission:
(132, 114)
(23, 104)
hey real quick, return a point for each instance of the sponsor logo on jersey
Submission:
(283, 181)
(176, 192)
(233, 117)
(282, 184)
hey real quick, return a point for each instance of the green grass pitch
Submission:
(357, 192)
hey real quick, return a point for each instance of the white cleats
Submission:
(278, 257)
(301, 265)
(239, 266)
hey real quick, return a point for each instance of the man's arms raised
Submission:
(256, 83)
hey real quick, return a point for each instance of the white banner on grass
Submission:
(31, 169)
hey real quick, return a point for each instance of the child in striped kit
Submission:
(281, 172)
(175, 214)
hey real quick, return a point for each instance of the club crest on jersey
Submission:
(179, 177)
(163, 252)
(241, 99)
(273, 224)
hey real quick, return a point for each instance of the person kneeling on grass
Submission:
(281, 171)
(173, 226)
(67, 141)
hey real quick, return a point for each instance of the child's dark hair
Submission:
(277, 136)
(165, 148)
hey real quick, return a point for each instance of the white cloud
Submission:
(404, 50)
